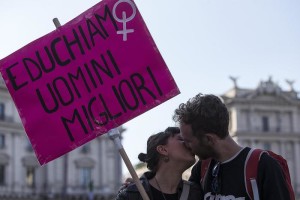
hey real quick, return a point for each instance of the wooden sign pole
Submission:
(56, 22)
(65, 158)
(115, 136)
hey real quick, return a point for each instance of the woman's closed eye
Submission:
(180, 139)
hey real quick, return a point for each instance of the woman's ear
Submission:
(161, 149)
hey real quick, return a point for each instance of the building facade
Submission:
(269, 118)
(94, 168)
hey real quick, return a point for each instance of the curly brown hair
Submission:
(205, 114)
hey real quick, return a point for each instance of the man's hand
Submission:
(126, 183)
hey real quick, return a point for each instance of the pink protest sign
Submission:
(103, 65)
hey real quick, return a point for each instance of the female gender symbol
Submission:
(124, 19)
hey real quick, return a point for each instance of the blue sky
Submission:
(203, 42)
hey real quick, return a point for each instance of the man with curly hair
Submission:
(203, 122)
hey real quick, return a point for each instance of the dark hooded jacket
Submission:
(131, 192)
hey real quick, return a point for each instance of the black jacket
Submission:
(270, 179)
(131, 192)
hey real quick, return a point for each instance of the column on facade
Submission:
(103, 161)
(101, 148)
(9, 167)
(51, 176)
(118, 168)
(253, 118)
(248, 120)
(17, 171)
(295, 122)
(237, 118)
(297, 167)
(282, 149)
(45, 179)
(233, 120)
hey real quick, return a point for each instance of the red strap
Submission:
(251, 168)
(204, 168)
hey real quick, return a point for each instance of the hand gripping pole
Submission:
(115, 136)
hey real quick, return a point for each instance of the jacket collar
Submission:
(145, 182)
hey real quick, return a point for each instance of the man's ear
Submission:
(211, 138)
(161, 149)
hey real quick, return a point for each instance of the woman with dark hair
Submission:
(167, 158)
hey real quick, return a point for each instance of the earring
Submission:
(166, 159)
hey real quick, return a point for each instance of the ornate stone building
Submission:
(267, 117)
(94, 166)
